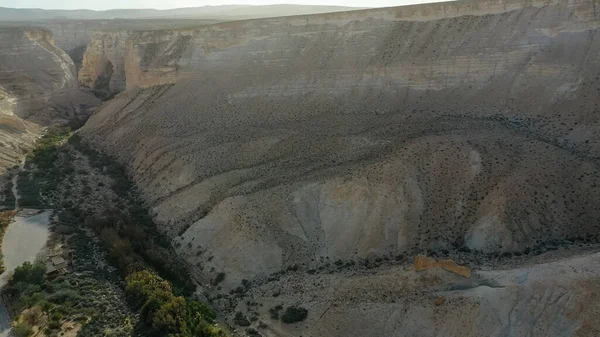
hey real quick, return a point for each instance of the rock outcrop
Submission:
(104, 62)
(73, 36)
(558, 298)
(38, 87)
(423, 263)
(265, 144)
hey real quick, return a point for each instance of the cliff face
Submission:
(37, 87)
(103, 67)
(269, 143)
(73, 36)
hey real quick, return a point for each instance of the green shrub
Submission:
(63, 296)
(294, 314)
(198, 308)
(22, 329)
(164, 311)
(29, 273)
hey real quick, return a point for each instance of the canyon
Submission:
(307, 160)
(38, 87)
(275, 142)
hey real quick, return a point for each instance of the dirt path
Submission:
(14, 188)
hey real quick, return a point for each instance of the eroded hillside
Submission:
(467, 129)
(38, 87)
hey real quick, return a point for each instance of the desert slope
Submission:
(550, 299)
(283, 143)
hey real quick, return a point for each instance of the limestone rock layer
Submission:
(269, 143)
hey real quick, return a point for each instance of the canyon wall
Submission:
(265, 144)
(103, 66)
(73, 36)
(38, 87)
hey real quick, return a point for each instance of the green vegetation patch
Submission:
(8, 201)
(124, 279)
(166, 313)
(45, 167)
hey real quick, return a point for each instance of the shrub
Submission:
(168, 313)
(144, 284)
(294, 314)
(220, 277)
(240, 319)
(203, 329)
(198, 308)
(252, 332)
(170, 317)
(63, 296)
(29, 273)
(54, 325)
(274, 312)
(22, 329)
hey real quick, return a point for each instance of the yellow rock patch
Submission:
(423, 262)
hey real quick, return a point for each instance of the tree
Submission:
(197, 308)
(145, 284)
(29, 273)
(170, 317)
(169, 314)
(46, 307)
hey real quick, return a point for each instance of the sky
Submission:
(165, 4)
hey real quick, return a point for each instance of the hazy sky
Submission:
(164, 4)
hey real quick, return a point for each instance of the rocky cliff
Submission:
(265, 145)
(103, 66)
(73, 36)
(38, 87)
